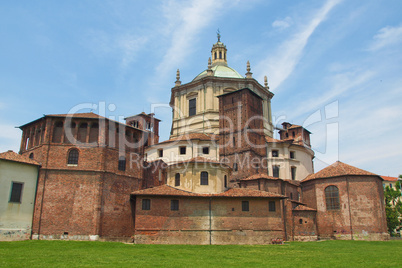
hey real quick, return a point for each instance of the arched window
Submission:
(122, 163)
(31, 156)
(301, 221)
(57, 132)
(215, 56)
(94, 133)
(177, 179)
(82, 132)
(73, 157)
(204, 178)
(220, 54)
(332, 197)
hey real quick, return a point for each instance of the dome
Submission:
(220, 71)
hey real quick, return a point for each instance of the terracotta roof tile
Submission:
(199, 159)
(77, 115)
(266, 177)
(166, 190)
(386, 178)
(192, 136)
(12, 156)
(336, 170)
(304, 208)
(259, 176)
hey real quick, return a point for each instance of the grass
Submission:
(307, 254)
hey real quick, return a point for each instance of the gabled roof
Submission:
(90, 115)
(259, 176)
(12, 156)
(387, 178)
(191, 136)
(338, 169)
(166, 190)
(303, 208)
(266, 177)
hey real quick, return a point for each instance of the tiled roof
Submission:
(77, 115)
(269, 139)
(259, 176)
(336, 170)
(304, 208)
(166, 190)
(199, 159)
(386, 178)
(12, 156)
(192, 136)
(266, 177)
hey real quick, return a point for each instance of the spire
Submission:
(209, 70)
(266, 82)
(218, 52)
(178, 82)
(249, 74)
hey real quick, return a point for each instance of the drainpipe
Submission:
(34, 205)
(350, 213)
(44, 179)
(210, 221)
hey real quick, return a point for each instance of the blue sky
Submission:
(334, 66)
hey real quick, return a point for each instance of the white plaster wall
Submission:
(16, 218)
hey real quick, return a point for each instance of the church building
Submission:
(220, 178)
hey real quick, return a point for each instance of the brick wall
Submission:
(207, 221)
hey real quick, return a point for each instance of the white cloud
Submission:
(283, 24)
(9, 138)
(185, 24)
(279, 67)
(125, 46)
(385, 37)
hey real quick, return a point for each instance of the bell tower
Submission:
(218, 52)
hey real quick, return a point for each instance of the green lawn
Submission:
(308, 254)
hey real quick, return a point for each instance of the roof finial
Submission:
(266, 82)
(249, 74)
(178, 82)
(209, 70)
(218, 33)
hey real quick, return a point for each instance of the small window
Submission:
(146, 204)
(225, 181)
(234, 141)
(16, 192)
(293, 171)
(235, 168)
(292, 155)
(204, 178)
(182, 149)
(177, 179)
(287, 135)
(271, 205)
(73, 157)
(192, 108)
(245, 206)
(275, 171)
(332, 197)
(174, 204)
(31, 155)
(220, 54)
(301, 221)
(291, 195)
(205, 150)
(122, 163)
(293, 134)
(160, 152)
(298, 196)
(275, 153)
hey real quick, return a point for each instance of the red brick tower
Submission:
(241, 136)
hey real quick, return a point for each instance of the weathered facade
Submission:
(221, 178)
(18, 180)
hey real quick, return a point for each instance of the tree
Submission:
(393, 207)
